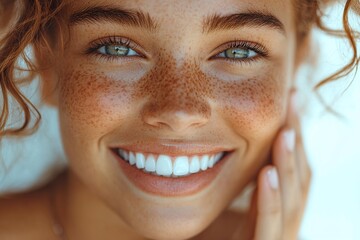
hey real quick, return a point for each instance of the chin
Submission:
(172, 230)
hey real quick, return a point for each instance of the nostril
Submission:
(175, 120)
(176, 114)
(156, 123)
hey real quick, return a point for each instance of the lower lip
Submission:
(169, 187)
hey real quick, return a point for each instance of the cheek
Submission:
(255, 105)
(92, 103)
(89, 102)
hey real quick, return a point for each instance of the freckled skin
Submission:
(248, 92)
(170, 89)
(176, 94)
(82, 91)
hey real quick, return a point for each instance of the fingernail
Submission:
(273, 178)
(289, 139)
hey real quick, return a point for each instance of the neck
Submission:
(84, 215)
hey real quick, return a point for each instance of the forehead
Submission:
(180, 13)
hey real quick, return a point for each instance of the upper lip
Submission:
(173, 148)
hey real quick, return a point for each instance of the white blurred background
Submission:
(332, 144)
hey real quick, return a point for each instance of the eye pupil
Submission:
(117, 50)
(237, 53)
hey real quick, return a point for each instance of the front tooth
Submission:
(211, 161)
(164, 165)
(140, 160)
(132, 158)
(181, 166)
(150, 164)
(204, 162)
(195, 165)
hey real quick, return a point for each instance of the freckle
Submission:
(84, 96)
(172, 87)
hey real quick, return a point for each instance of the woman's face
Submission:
(173, 86)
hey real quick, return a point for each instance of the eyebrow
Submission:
(141, 19)
(113, 14)
(252, 19)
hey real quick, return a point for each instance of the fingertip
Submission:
(269, 212)
(289, 139)
(273, 178)
(292, 108)
(293, 99)
(268, 185)
(284, 146)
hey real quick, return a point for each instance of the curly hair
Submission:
(38, 19)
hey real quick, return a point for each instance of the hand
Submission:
(280, 198)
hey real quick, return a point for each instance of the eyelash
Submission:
(257, 48)
(115, 40)
(112, 40)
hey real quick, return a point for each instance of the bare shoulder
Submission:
(24, 216)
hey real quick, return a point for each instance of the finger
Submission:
(252, 213)
(269, 208)
(284, 161)
(291, 190)
(294, 171)
(294, 122)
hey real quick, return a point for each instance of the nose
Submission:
(177, 97)
(177, 117)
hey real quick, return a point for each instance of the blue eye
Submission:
(117, 51)
(238, 53)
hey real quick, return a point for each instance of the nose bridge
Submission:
(177, 97)
(181, 91)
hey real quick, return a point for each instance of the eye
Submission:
(242, 51)
(113, 48)
(238, 53)
(117, 51)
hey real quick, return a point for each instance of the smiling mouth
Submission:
(170, 166)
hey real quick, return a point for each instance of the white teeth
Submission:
(218, 157)
(150, 164)
(126, 155)
(211, 161)
(181, 166)
(123, 154)
(132, 158)
(170, 166)
(164, 165)
(140, 160)
(195, 165)
(204, 162)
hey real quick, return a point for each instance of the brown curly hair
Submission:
(36, 18)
